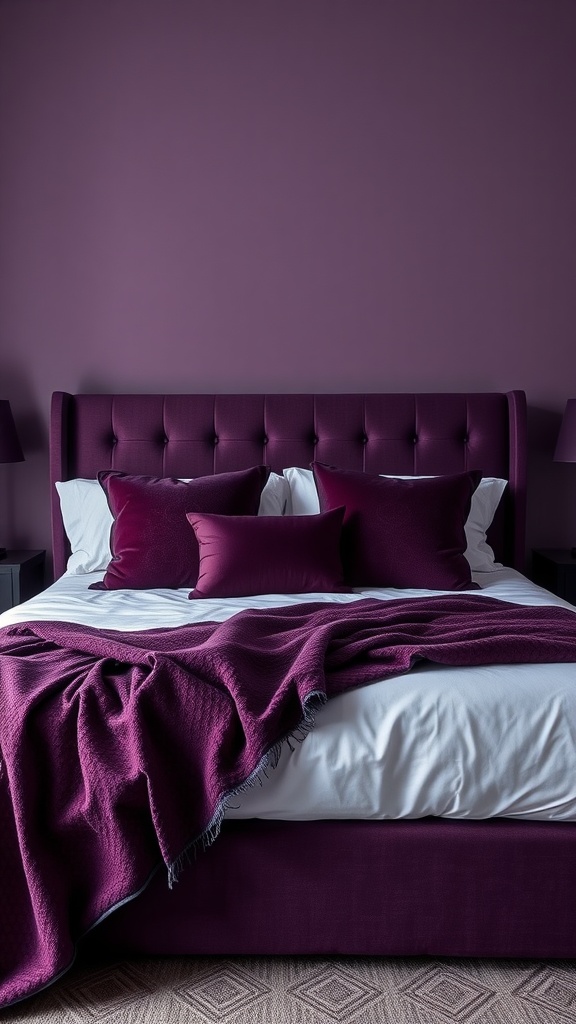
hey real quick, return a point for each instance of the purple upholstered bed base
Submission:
(491, 888)
(397, 888)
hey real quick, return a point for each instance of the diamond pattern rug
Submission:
(302, 990)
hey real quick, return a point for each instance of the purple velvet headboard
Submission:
(195, 435)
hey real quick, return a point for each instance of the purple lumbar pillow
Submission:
(401, 533)
(151, 542)
(242, 555)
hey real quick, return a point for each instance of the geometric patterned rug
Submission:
(308, 990)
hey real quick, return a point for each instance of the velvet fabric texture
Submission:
(401, 533)
(197, 435)
(151, 542)
(243, 555)
(425, 886)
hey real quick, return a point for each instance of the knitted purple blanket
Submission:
(119, 750)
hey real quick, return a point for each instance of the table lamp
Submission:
(10, 450)
(566, 443)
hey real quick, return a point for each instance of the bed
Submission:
(423, 883)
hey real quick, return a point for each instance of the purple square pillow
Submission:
(401, 533)
(151, 542)
(241, 555)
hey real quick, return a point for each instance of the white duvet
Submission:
(454, 742)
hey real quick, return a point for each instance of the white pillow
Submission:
(303, 494)
(88, 520)
(485, 500)
(275, 496)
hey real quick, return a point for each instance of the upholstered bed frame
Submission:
(194, 435)
(464, 888)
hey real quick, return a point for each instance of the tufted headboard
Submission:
(196, 435)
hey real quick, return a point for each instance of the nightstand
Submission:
(555, 569)
(21, 577)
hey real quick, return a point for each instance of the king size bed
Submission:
(429, 852)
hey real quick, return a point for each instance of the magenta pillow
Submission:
(151, 542)
(241, 555)
(401, 533)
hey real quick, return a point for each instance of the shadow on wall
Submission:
(99, 386)
(25, 505)
(551, 519)
(93, 385)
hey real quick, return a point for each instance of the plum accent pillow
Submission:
(87, 518)
(151, 542)
(303, 500)
(242, 555)
(401, 533)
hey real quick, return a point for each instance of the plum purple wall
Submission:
(255, 195)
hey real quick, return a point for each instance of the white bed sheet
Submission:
(454, 742)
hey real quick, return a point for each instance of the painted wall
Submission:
(287, 195)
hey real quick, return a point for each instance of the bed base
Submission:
(496, 888)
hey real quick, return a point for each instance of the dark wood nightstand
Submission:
(21, 577)
(555, 569)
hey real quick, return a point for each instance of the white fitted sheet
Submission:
(454, 742)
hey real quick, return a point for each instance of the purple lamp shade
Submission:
(566, 444)
(10, 450)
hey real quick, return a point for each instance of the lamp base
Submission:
(3, 552)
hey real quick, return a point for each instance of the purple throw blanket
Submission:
(118, 750)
